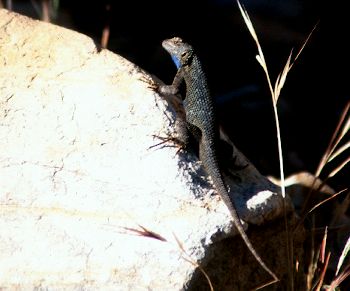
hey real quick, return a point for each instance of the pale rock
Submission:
(80, 181)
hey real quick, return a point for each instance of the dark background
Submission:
(311, 101)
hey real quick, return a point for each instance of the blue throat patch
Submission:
(176, 61)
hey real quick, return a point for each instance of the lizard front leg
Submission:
(175, 86)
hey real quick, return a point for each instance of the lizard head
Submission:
(180, 51)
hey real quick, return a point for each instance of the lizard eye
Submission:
(186, 57)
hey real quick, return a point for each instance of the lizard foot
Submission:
(233, 169)
(166, 140)
(151, 84)
(237, 167)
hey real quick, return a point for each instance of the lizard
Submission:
(202, 124)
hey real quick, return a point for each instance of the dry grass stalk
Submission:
(332, 150)
(188, 258)
(275, 93)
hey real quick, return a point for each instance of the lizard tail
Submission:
(210, 162)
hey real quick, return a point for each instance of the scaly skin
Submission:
(201, 122)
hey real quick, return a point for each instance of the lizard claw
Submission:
(151, 84)
(164, 140)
